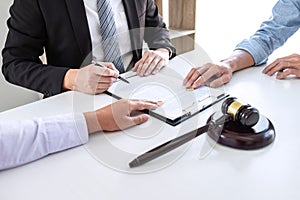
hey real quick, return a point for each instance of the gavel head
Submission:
(243, 114)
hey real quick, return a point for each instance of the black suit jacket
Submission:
(60, 28)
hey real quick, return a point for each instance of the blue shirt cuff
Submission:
(254, 48)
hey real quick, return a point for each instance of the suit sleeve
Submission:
(24, 45)
(24, 141)
(156, 33)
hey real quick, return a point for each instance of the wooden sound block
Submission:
(241, 137)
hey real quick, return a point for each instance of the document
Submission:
(177, 102)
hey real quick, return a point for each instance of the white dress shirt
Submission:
(121, 25)
(24, 141)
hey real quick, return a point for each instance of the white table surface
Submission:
(197, 170)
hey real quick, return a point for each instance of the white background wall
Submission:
(10, 95)
(221, 24)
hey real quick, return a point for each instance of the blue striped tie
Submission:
(108, 32)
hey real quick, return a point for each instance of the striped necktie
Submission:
(108, 32)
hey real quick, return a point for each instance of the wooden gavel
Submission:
(233, 110)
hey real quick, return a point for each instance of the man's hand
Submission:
(119, 115)
(91, 79)
(210, 74)
(152, 62)
(289, 65)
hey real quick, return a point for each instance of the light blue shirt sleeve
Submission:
(284, 22)
(24, 141)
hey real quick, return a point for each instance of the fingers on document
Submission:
(142, 105)
(150, 63)
(209, 75)
(139, 119)
(194, 79)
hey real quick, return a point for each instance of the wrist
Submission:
(69, 79)
(92, 122)
(166, 50)
(230, 63)
(239, 59)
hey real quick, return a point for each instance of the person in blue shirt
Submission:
(273, 33)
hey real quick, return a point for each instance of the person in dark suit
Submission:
(65, 31)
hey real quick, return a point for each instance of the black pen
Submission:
(119, 77)
(174, 143)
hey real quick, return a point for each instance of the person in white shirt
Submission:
(24, 141)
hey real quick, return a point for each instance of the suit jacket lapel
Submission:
(131, 13)
(80, 26)
(134, 27)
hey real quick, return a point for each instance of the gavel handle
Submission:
(176, 142)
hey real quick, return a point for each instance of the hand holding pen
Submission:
(91, 79)
(119, 77)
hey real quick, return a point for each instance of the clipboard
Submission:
(178, 105)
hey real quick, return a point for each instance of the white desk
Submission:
(224, 173)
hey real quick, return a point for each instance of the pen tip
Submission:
(123, 79)
(134, 163)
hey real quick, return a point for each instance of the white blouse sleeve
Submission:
(24, 141)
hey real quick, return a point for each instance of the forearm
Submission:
(46, 79)
(22, 66)
(238, 60)
(25, 141)
(156, 33)
(159, 38)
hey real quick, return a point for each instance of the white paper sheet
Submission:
(166, 86)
